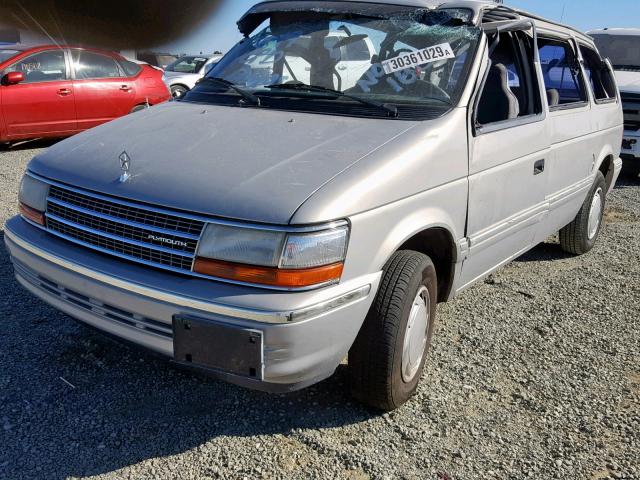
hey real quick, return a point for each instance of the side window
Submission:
(561, 70)
(131, 69)
(511, 88)
(42, 67)
(89, 65)
(599, 75)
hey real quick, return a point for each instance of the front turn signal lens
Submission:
(31, 214)
(273, 277)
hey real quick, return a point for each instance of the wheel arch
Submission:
(607, 167)
(179, 84)
(438, 243)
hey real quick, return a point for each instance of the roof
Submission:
(616, 31)
(482, 10)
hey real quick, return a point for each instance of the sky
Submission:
(220, 31)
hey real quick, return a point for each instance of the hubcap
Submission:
(415, 336)
(595, 214)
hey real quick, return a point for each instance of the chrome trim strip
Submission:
(270, 317)
(164, 231)
(319, 309)
(190, 216)
(117, 238)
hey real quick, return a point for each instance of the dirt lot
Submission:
(535, 374)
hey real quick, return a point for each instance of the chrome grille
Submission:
(132, 232)
(127, 212)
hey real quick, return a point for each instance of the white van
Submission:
(264, 228)
(622, 47)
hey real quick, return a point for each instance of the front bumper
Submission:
(304, 335)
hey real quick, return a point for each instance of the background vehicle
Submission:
(161, 60)
(182, 75)
(622, 47)
(52, 91)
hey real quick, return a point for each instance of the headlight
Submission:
(271, 257)
(33, 199)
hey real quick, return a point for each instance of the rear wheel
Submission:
(178, 91)
(581, 235)
(388, 356)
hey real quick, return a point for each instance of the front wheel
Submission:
(388, 356)
(178, 91)
(580, 236)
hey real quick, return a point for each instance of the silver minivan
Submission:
(265, 228)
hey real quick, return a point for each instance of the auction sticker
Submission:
(417, 58)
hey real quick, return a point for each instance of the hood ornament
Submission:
(125, 166)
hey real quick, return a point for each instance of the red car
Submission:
(57, 91)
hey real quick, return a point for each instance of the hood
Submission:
(181, 75)
(628, 81)
(231, 162)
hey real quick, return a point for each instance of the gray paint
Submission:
(255, 165)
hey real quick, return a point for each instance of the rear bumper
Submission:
(305, 335)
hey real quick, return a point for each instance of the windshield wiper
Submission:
(391, 110)
(246, 95)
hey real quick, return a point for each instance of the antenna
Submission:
(564, 8)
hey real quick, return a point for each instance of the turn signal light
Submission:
(31, 214)
(274, 277)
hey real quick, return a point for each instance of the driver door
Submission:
(509, 155)
(44, 103)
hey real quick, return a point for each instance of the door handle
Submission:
(538, 167)
(125, 88)
(63, 92)
(342, 67)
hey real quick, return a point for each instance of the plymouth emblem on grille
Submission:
(125, 166)
(168, 241)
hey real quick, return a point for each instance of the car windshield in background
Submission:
(7, 54)
(622, 50)
(187, 65)
(415, 59)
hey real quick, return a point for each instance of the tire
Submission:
(580, 236)
(137, 108)
(379, 373)
(178, 91)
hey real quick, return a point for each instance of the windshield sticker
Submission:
(418, 58)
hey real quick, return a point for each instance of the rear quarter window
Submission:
(131, 69)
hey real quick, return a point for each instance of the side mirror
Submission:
(13, 78)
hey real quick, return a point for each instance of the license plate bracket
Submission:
(217, 346)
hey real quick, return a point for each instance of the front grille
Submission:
(630, 97)
(126, 212)
(136, 233)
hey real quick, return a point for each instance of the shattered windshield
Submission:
(419, 58)
(622, 50)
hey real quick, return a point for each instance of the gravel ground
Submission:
(535, 374)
